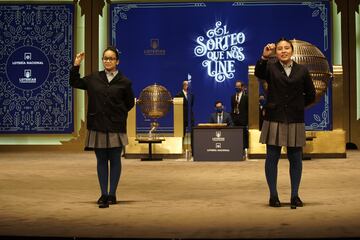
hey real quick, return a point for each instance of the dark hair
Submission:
(242, 84)
(286, 40)
(113, 49)
(218, 101)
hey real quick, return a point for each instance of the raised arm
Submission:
(261, 65)
(75, 80)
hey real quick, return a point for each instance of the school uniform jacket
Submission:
(108, 103)
(287, 96)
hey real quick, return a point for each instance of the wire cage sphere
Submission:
(310, 56)
(154, 101)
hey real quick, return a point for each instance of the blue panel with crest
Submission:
(36, 47)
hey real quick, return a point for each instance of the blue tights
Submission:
(103, 156)
(272, 159)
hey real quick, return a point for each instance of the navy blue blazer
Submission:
(226, 118)
(108, 103)
(287, 96)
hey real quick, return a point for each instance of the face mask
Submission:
(219, 110)
(238, 90)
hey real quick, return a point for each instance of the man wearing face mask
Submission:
(220, 116)
(239, 109)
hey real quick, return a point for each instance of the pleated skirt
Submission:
(95, 139)
(283, 134)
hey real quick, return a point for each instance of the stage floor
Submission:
(54, 194)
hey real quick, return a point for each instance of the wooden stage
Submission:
(53, 194)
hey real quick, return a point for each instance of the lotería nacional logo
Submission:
(27, 56)
(218, 134)
(27, 77)
(218, 137)
(221, 49)
(155, 50)
(27, 67)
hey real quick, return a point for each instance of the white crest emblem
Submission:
(218, 134)
(27, 73)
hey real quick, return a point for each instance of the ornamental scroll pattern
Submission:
(321, 121)
(36, 47)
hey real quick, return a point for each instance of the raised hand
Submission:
(268, 50)
(78, 58)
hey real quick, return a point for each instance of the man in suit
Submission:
(239, 109)
(188, 103)
(220, 116)
(262, 104)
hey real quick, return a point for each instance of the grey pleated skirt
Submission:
(283, 134)
(95, 139)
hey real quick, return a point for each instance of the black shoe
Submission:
(112, 199)
(103, 199)
(296, 202)
(104, 205)
(274, 202)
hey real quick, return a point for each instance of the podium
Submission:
(217, 142)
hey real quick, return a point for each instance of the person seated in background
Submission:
(220, 116)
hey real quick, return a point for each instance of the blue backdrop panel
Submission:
(213, 43)
(36, 46)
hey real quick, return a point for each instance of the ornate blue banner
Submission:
(213, 43)
(36, 47)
